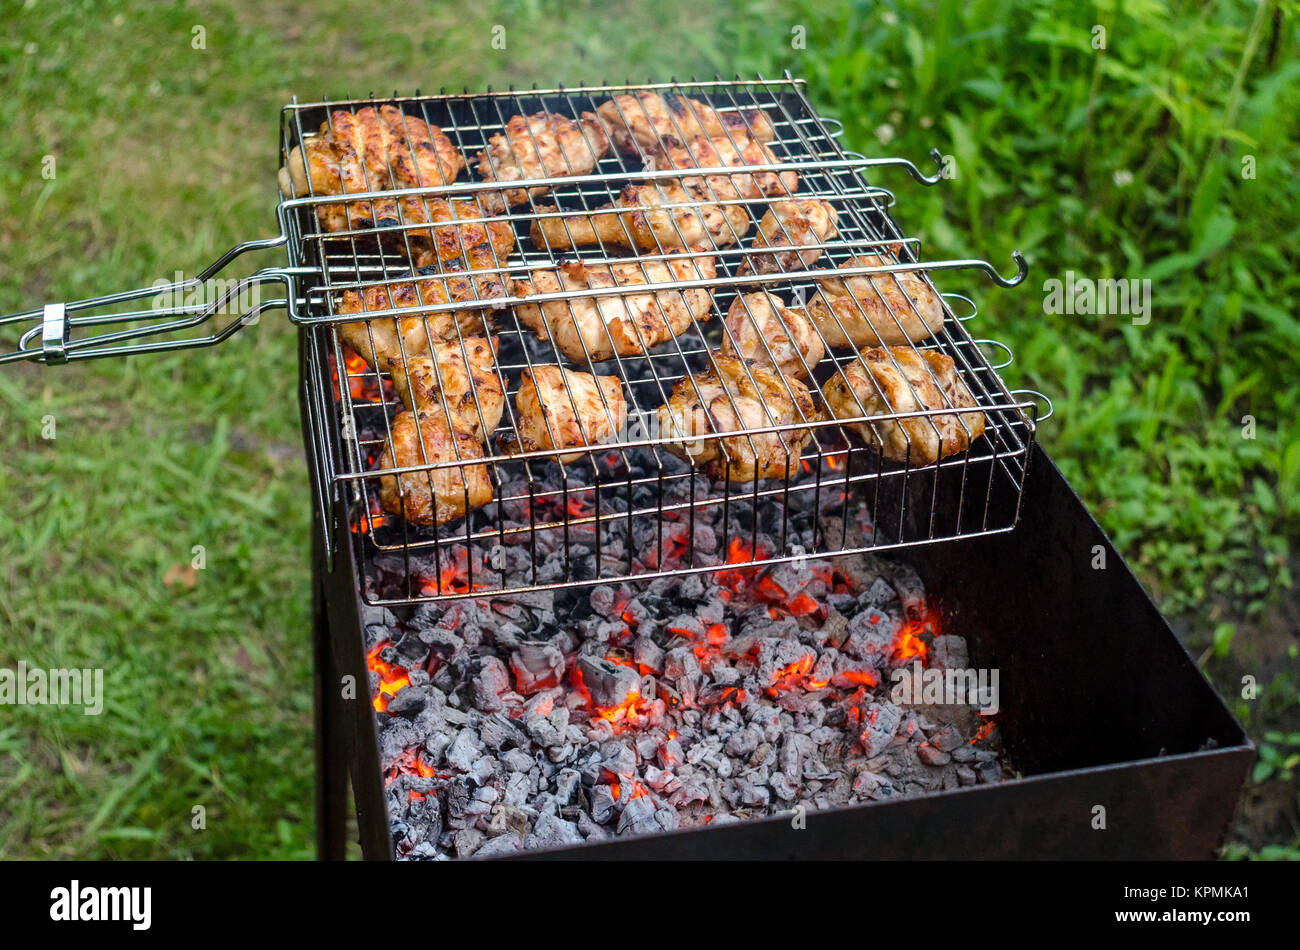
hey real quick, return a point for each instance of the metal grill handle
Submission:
(46, 335)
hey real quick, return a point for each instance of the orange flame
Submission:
(392, 678)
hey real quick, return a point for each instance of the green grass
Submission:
(1117, 163)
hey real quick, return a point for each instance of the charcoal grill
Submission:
(1103, 705)
(351, 404)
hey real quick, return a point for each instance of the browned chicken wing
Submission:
(769, 333)
(642, 223)
(545, 145)
(901, 379)
(640, 122)
(725, 400)
(378, 340)
(371, 150)
(790, 225)
(438, 495)
(458, 375)
(873, 311)
(562, 409)
(627, 324)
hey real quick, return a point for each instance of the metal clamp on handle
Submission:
(47, 335)
(54, 333)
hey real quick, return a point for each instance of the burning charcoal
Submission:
(517, 761)
(565, 783)
(965, 775)
(834, 630)
(824, 669)
(600, 730)
(779, 659)
(989, 773)
(610, 685)
(467, 841)
(648, 655)
(504, 844)
(932, 755)
(881, 723)
(497, 730)
(518, 788)
(608, 602)
(949, 652)
(685, 625)
(396, 735)
(492, 680)
(484, 770)
(850, 673)
(536, 667)
(681, 666)
(744, 742)
(782, 788)
(692, 586)
(880, 594)
(670, 754)
(638, 817)
(724, 675)
(618, 758)
(589, 828)
(793, 750)
(464, 750)
(543, 731)
(553, 832)
(602, 804)
(411, 650)
(646, 747)
(947, 738)
(408, 703)
(871, 635)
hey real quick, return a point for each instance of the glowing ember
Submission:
(910, 646)
(392, 678)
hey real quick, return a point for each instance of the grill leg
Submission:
(331, 763)
(331, 760)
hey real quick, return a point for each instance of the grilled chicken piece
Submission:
(545, 145)
(643, 224)
(739, 150)
(458, 377)
(791, 224)
(628, 324)
(725, 400)
(639, 123)
(873, 385)
(378, 340)
(463, 241)
(769, 333)
(856, 311)
(441, 494)
(371, 150)
(562, 409)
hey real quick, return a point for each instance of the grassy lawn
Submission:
(1127, 161)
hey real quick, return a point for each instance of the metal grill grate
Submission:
(571, 514)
